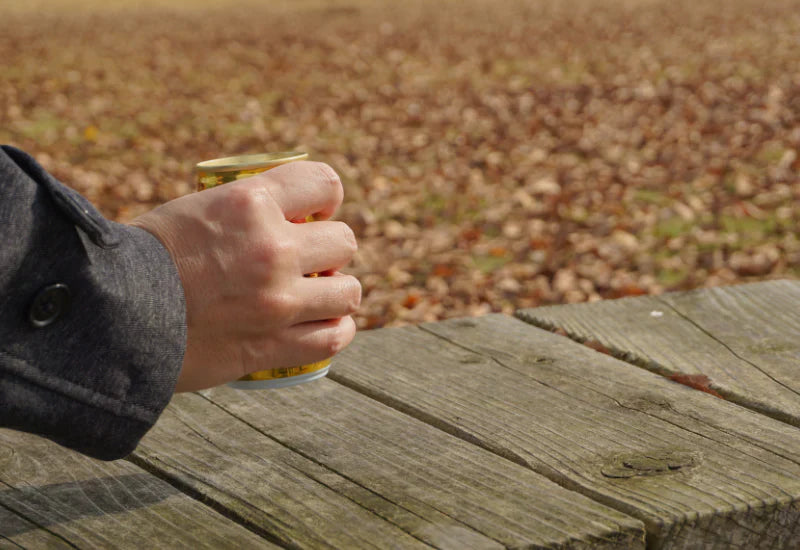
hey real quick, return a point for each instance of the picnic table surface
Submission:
(651, 422)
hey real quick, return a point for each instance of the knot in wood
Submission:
(647, 402)
(655, 463)
(536, 360)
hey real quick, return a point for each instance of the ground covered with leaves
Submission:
(495, 155)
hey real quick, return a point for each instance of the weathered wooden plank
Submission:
(51, 497)
(697, 470)
(322, 466)
(21, 533)
(745, 338)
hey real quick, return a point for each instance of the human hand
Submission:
(242, 261)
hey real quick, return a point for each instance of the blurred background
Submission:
(495, 154)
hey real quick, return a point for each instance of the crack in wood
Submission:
(16, 544)
(194, 494)
(724, 345)
(689, 380)
(313, 460)
(429, 419)
(656, 462)
(38, 524)
(640, 467)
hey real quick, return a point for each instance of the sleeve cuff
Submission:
(97, 378)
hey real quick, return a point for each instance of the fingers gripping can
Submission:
(211, 173)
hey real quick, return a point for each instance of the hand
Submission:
(242, 262)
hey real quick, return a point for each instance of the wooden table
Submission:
(472, 433)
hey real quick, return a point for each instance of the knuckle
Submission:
(328, 174)
(332, 179)
(353, 296)
(349, 238)
(273, 249)
(241, 200)
(279, 305)
(338, 340)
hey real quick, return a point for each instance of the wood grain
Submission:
(745, 338)
(697, 470)
(321, 466)
(51, 497)
(17, 532)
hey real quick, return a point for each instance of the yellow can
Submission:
(211, 173)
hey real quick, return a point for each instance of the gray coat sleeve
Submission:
(92, 317)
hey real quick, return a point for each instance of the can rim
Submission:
(245, 162)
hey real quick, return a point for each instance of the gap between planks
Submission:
(278, 429)
(218, 507)
(364, 385)
(702, 321)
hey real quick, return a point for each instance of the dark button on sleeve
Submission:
(50, 303)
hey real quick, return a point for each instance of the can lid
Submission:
(247, 162)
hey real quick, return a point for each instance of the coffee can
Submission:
(214, 172)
